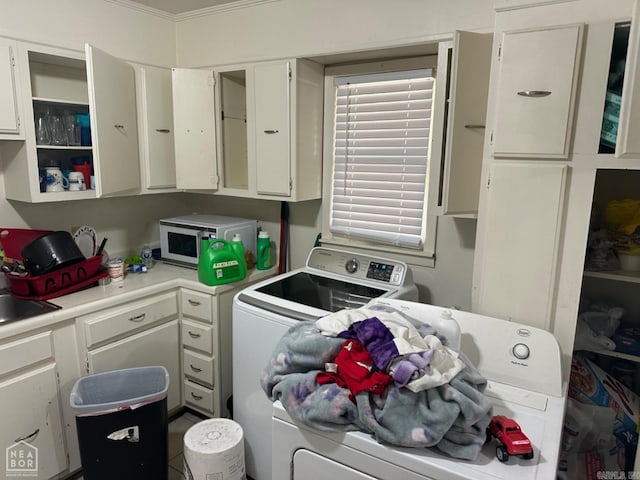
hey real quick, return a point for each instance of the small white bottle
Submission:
(448, 327)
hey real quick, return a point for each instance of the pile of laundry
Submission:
(377, 370)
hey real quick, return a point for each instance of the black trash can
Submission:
(121, 417)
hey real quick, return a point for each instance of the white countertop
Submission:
(158, 279)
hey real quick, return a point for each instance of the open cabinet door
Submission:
(194, 127)
(114, 124)
(469, 88)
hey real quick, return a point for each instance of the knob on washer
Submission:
(521, 351)
(352, 265)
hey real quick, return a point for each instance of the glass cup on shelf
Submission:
(58, 132)
(43, 129)
(72, 128)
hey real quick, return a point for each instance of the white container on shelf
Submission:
(629, 262)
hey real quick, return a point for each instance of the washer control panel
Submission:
(363, 267)
(380, 271)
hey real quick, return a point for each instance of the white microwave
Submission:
(180, 237)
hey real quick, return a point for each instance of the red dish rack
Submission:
(58, 282)
(13, 240)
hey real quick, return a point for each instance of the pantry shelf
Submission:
(60, 101)
(619, 275)
(64, 147)
(609, 353)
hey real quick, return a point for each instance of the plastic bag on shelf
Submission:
(600, 253)
(587, 339)
(586, 427)
(602, 319)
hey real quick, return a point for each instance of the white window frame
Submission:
(424, 256)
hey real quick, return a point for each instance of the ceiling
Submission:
(181, 6)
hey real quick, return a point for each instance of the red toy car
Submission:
(512, 440)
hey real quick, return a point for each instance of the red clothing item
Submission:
(355, 371)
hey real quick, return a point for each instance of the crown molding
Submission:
(143, 8)
(218, 9)
(507, 5)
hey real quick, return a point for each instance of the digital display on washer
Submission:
(380, 271)
(321, 292)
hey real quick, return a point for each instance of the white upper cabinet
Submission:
(285, 133)
(114, 124)
(273, 128)
(467, 63)
(267, 119)
(537, 78)
(59, 85)
(194, 128)
(9, 104)
(155, 111)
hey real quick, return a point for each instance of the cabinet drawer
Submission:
(198, 396)
(197, 336)
(196, 305)
(25, 352)
(126, 318)
(198, 367)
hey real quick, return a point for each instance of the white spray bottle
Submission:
(448, 327)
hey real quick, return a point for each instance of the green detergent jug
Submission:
(219, 263)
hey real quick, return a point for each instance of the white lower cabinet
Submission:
(32, 427)
(200, 368)
(155, 346)
(135, 334)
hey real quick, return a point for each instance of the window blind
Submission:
(381, 150)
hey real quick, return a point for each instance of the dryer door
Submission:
(307, 464)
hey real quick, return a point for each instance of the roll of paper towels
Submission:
(214, 448)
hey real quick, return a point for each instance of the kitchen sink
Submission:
(13, 309)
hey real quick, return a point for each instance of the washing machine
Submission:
(331, 280)
(523, 367)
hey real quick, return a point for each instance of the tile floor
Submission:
(177, 428)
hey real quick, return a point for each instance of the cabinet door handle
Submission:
(196, 397)
(28, 438)
(137, 318)
(194, 335)
(118, 125)
(195, 303)
(270, 132)
(534, 93)
(474, 126)
(195, 369)
(163, 130)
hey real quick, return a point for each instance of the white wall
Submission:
(302, 28)
(311, 28)
(127, 33)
